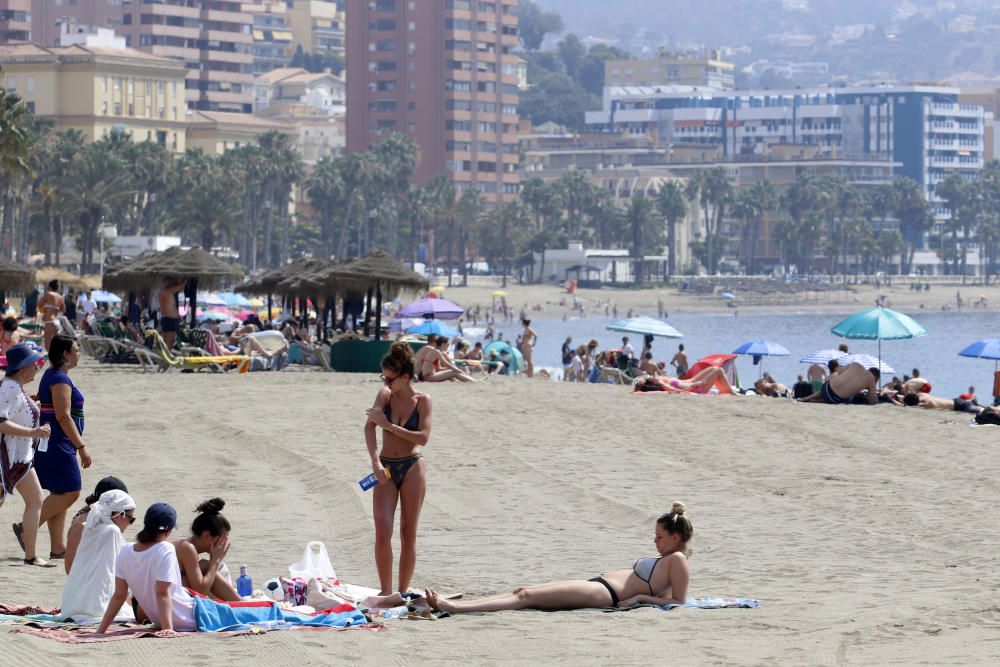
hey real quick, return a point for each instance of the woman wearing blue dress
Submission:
(57, 468)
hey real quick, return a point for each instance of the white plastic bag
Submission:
(315, 562)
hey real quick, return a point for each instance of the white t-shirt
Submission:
(88, 305)
(142, 569)
(628, 350)
(14, 406)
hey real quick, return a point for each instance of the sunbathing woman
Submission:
(660, 580)
(435, 366)
(209, 535)
(845, 384)
(405, 419)
(703, 381)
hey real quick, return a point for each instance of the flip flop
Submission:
(18, 533)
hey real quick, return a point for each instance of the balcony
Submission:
(223, 16)
(164, 30)
(227, 37)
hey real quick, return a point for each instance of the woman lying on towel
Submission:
(91, 582)
(659, 580)
(701, 383)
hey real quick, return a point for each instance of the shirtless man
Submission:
(937, 403)
(51, 306)
(680, 361)
(169, 317)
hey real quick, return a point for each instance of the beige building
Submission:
(323, 91)
(215, 132)
(15, 21)
(213, 38)
(697, 68)
(317, 25)
(272, 38)
(97, 90)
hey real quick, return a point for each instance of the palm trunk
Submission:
(268, 227)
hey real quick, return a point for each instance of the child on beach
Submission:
(657, 580)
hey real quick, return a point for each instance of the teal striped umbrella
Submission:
(879, 324)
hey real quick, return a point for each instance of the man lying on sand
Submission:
(938, 403)
(650, 581)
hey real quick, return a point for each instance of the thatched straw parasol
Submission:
(149, 270)
(15, 278)
(380, 275)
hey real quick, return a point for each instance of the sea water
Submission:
(936, 354)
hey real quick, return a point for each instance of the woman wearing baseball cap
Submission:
(149, 567)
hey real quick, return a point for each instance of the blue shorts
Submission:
(57, 469)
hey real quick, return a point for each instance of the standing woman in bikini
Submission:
(51, 306)
(528, 340)
(404, 416)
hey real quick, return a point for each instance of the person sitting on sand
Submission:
(241, 331)
(844, 385)
(925, 400)
(149, 568)
(75, 532)
(10, 336)
(435, 366)
(648, 366)
(209, 535)
(476, 353)
(817, 376)
(659, 580)
(917, 384)
(404, 416)
(91, 583)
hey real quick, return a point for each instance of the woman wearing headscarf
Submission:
(91, 582)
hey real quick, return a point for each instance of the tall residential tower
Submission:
(443, 73)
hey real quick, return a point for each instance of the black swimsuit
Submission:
(399, 467)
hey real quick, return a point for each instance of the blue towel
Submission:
(212, 616)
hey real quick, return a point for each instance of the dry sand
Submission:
(870, 534)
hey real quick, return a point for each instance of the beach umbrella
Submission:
(727, 295)
(879, 324)
(822, 357)
(219, 315)
(436, 327)
(440, 309)
(234, 300)
(100, 296)
(15, 277)
(761, 348)
(437, 288)
(404, 323)
(498, 293)
(210, 299)
(868, 361)
(645, 326)
(986, 348)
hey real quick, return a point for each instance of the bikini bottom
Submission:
(602, 582)
(399, 467)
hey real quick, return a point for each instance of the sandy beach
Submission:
(644, 301)
(868, 533)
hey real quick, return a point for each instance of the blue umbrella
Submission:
(761, 348)
(232, 299)
(987, 348)
(727, 295)
(822, 357)
(100, 296)
(433, 327)
(878, 324)
(645, 326)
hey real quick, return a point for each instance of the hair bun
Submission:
(677, 507)
(213, 506)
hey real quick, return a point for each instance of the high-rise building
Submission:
(317, 25)
(442, 72)
(687, 68)
(272, 38)
(15, 21)
(214, 38)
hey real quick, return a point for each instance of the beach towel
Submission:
(213, 616)
(719, 602)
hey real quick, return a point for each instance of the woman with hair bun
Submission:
(659, 580)
(404, 416)
(209, 535)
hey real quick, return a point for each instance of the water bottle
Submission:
(244, 585)
(371, 480)
(43, 445)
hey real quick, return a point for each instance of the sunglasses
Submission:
(387, 380)
(130, 517)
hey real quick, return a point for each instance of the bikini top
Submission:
(643, 569)
(412, 424)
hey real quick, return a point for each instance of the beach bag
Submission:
(315, 563)
(295, 589)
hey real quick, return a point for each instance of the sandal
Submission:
(19, 533)
(53, 556)
(36, 561)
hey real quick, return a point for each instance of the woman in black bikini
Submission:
(404, 416)
(659, 580)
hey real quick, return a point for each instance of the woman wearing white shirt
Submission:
(149, 567)
(19, 436)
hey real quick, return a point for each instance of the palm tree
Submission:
(467, 214)
(747, 208)
(959, 196)
(397, 160)
(357, 171)
(913, 215)
(504, 231)
(96, 186)
(15, 148)
(285, 170)
(209, 207)
(544, 201)
(325, 188)
(673, 207)
(644, 230)
(716, 190)
(577, 193)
